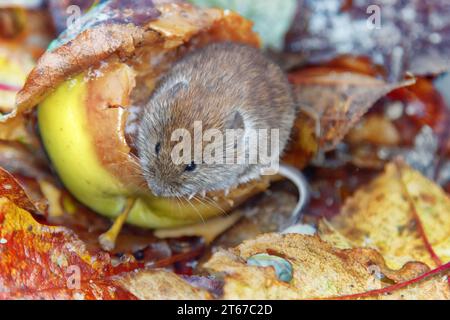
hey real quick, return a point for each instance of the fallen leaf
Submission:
(431, 285)
(41, 261)
(320, 271)
(402, 36)
(96, 14)
(410, 122)
(402, 214)
(337, 99)
(45, 262)
(13, 191)
(161, 285)
(431, 207)
(331, 102)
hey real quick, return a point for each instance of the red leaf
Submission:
(44, 262)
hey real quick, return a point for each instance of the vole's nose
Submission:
(156, 192)
(158, 189)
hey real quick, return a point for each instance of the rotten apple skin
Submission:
(64, 130)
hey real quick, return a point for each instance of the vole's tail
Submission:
(297, 178)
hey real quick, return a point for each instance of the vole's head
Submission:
(171, 131)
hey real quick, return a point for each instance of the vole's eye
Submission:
(191, 167)
(158, 148)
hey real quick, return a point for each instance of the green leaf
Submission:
(272, 18)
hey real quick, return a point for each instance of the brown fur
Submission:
(212, 85)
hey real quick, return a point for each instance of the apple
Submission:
(70, 128)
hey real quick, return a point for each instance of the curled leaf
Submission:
(331, 102)
(11, 189)
(112, 11)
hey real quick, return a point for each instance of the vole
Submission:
(223, 86)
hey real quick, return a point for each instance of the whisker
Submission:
(179, 203)
(196, 210)
(211, 202)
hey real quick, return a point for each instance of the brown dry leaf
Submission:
(401, 213)
(333, 102)
(431, 205)
(11, 189)
(321, 271)
(161, 285)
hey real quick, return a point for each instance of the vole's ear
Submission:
(236, 121)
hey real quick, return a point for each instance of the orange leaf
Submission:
(45, 262)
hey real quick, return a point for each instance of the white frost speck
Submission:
(395, 110)
(78, 296)
(304, 229)
(3, 241)
(435, 38)
(367, 241)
